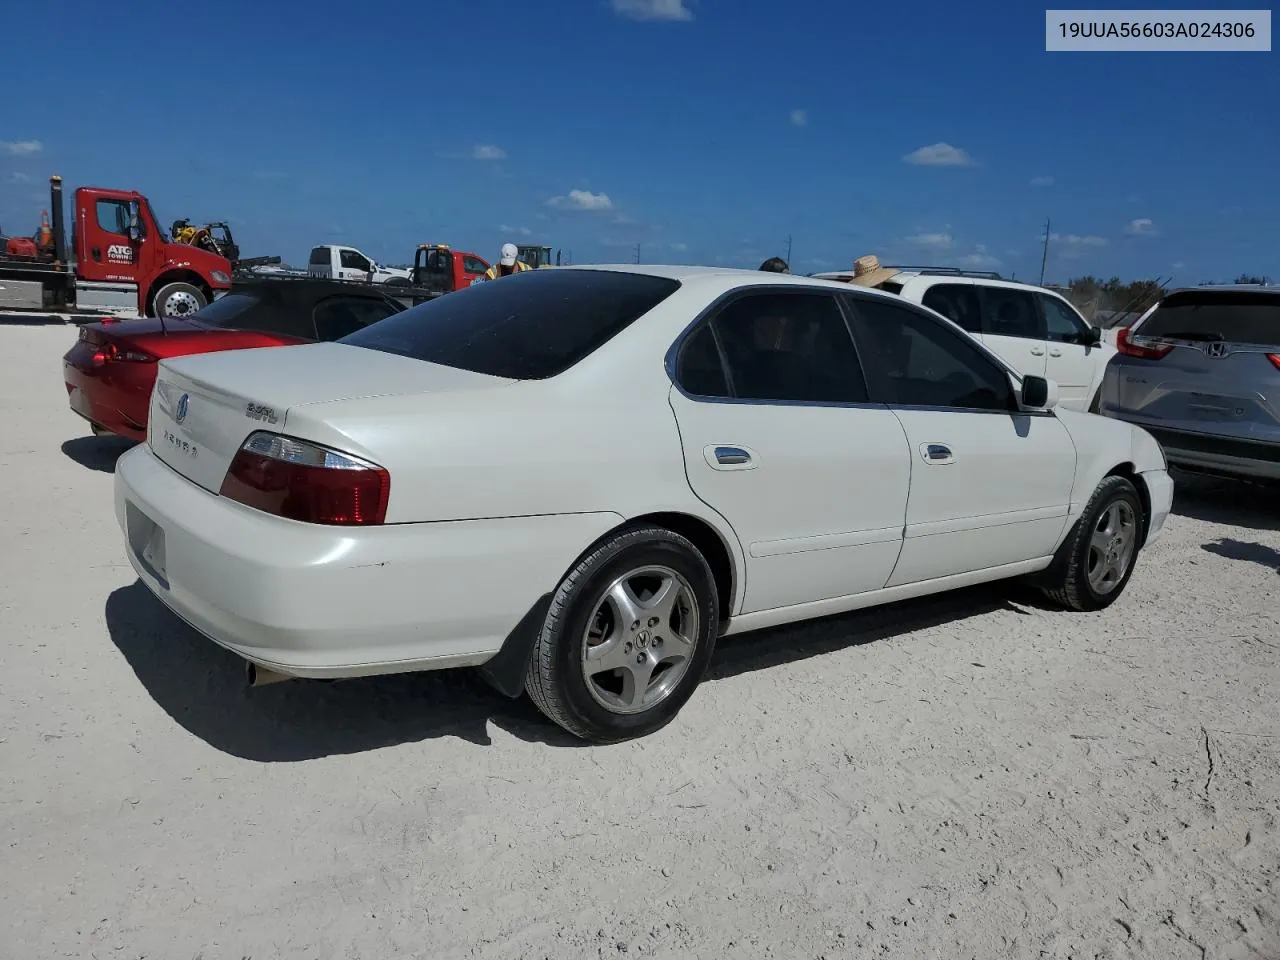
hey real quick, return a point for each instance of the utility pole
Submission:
(1045, 258)
(788, 250)
(637, 253)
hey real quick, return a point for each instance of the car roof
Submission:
(1226, 288)
(726, 278)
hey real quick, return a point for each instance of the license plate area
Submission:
(146, 540)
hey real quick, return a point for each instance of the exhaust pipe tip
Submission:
(260, 676)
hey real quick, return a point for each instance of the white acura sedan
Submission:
(579, 479)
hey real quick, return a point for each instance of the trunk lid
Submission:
(205, 406)
(1218, 376)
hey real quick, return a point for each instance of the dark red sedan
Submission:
(112, 368)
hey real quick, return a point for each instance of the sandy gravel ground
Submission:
(971, 777)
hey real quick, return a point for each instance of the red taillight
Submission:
(1136, 345)
(109, 352)
(1275, 359)
(303, 481)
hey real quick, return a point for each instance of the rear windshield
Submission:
(528, 326)
(227, 310)
(320, 256)
(1218, 315)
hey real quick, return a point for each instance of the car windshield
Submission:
(528, 326)
(1235, 317)
(227, 311)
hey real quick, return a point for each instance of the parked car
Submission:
(1034, 329)
(579, 479)
(1201, 372)
(112, 367)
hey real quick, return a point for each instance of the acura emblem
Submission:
(1215, 350)
(182, 409)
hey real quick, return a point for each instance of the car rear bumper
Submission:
(117, 405)
(321, 601)
(1219, 454)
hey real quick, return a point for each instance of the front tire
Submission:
(627, 638)
(178, 300)
(1094, 563)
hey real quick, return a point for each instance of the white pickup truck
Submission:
(348, 263)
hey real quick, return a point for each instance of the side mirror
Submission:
(1093, 338)
(1039, 393)
(133, 220)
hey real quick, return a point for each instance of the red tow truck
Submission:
(121, 261)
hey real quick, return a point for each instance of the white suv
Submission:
(1032, 328)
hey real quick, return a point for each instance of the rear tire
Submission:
(627, 638)
(1095, 562)
(178, 300)
(99, 431)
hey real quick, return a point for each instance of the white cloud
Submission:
(487, 151)
(1042, 181)
(652, 9)
(799, 118)
(21, 148)
(1074, 240)
(931, 241)
(623, 220)
(523, 231)
(1179, 265)
(19, 177)
(680, 247)
(1141, 227)
(980, 258)
(582, 200)
(939, 155)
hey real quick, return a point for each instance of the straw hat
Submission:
(867, 272)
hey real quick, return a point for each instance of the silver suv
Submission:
(1201, 372)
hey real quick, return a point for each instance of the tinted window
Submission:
(1234, 317)
(228, 311)
(474, 265)
(339, 316)
(957, 302)
(914, 360)
(320, 257)
(113, 216)
(1061, 322)
(1010, 313)
(354, 261)
(791, 347)
(698, 368)
(531, 326)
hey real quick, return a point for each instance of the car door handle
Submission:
(937, 454)
(1055, 352)
(732, 456)
(1037, 351)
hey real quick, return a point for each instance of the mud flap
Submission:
(505, 670)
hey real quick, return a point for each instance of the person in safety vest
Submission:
(508, 265)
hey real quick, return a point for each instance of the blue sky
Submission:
(707, 131)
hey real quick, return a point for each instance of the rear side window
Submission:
(783, 347)
(1234, 317)
(528, 326)
(320, 257)
(957, 302)
(339, 316)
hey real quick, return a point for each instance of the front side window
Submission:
(474, 265)
(355, 261)
(531, 326)
(1062, 324)
(958, 302)
(337, 317)
(913, 360)
(1009, 312)
(783, 347)
(113, 216)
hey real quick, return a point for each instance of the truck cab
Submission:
(348, 263)
(437, 267)
(124, 259)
